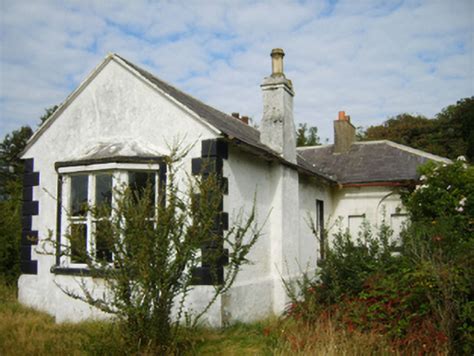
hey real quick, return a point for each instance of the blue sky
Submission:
(373, 59)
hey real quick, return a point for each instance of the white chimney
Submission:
(277, 127)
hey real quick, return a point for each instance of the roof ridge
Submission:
(408, 149)
(200, 102)
(418, 152)
(303, 148)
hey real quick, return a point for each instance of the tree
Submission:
(11, 167)
(456, 129)
(307, 136)
(11, 173)
(406, 129)
(47, 113)
(156, 250)
(11, 180)
(449, 134)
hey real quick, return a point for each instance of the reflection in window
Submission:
(141, 182)
(103, 190)
(78, 241)
(103, 241)
(79, 186)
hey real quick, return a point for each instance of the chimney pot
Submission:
(342, 115)
(236, 115)
(277, 62)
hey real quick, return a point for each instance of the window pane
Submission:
(103, 190)
(140, 182)
(320, 226)
(79, 186)
(78, 241)
(103, 241)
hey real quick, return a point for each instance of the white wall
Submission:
(251, 295)
(115, 106)
(311, 190)
(374, 204)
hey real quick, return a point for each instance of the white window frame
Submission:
(119, 172)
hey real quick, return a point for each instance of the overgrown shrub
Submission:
(156, 248)
(342, 273)
(423, 298)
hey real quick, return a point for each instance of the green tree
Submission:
(450, 134)
(47, 113)
(413, 131)
(456, 129)
(307, 136)
(156, 249)
(11, 173)
(11, 180)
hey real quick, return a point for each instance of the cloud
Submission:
(373, 59)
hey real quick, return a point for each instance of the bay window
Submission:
(88, 196)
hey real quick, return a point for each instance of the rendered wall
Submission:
(310, 191)
(115, 106)
(374, 204)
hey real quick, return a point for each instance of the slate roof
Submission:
(230, 126)
(368, 162)
(227, 124)
(379, 161)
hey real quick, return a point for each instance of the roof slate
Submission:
(366, 162)
(381, 161)
(227, 124)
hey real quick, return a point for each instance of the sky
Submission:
(373, 59)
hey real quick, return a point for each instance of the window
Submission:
(397, 223)
(355, 224)
(84, 228)
(320, 226)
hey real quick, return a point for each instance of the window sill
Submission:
(71, 271)
(77, 271)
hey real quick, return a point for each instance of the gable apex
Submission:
(92, 75)
(62, 106)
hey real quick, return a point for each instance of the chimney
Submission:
(277, 127)
(344, 133)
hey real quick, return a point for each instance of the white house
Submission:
(115, 127)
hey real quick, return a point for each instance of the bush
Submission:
(421, 299)
(343, 271)
(156, 247)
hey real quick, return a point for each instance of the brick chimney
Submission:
(344, 133)
(277, 127)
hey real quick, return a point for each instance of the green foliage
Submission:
(10, 233)
(47, 113)
(307, 136)
(449, 134)
(11, 180)
(344, 270)
(11, 168)
(444, 191)
(11, 174)
(349, 262)
(155, 250)
(422, 298)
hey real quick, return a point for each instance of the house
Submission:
(115, 127)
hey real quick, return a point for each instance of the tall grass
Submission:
(24, 331)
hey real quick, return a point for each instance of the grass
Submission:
(26, 331)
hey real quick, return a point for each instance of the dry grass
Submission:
(322, 338)
(24, 331)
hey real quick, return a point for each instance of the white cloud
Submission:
(373, 59)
